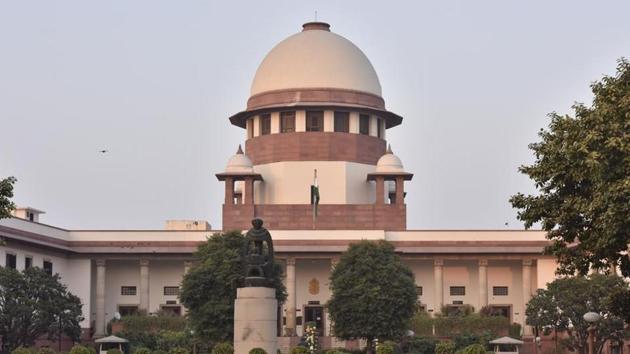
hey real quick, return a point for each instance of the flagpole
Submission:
(314, 197)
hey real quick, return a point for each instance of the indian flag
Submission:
(314, 194)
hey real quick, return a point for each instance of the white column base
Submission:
(255, 320)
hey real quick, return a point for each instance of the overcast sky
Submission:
(154, 82)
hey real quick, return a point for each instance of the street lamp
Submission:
(591, 318)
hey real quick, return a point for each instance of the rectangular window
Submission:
(314, 121)
(342, 122)
(364, 124)
(171, 290)
(127, 310)
(128, 290)
(379, 127)
(11, 261)
(265, 124)
(500, 290)
(458, 290)
(287, 122)
(250, 128)
(419, 290)
(48, 268)
(28, 262)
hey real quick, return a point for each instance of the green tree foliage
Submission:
(257, 351)
(209, 288)
(22, 350)
(582, 173)
(446, 347)
(373, 293)
(565, 301)
(32, 304)
(6, 193)
(79, 349)
(142, 350)
(419, 345)
(473, 349)
(299, 350)
(223, 348)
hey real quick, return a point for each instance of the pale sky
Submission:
(154, 82)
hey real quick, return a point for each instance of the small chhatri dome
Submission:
(316, 58)
(239, 163)
(389, 163)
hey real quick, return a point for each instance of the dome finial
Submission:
(389, 149)
(316, 25)
(240, 150)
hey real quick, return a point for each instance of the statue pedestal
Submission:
(255, 320)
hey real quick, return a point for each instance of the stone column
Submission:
(144, 286)
(483, 283)
(380, 190)
(527, 292)
(333, 264)
(291, 297)
(400, 190)
(229, 191)
(249, 191)
(99, 321)
(439, 285)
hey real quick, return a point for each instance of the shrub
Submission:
(445, 348)
(515, 330)
(419, 345)
(257, 351)
(45, 350)
(422, 324)
(178, 350)
(159, 351)
(169, 340)
(473, 349)
(79, 349)
(142, 350)
(464, 340)
(299, 350)
(386, 347)
(114, 351)
(223, 348)
(336, 351)
(22, 350)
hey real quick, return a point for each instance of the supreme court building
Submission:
(315, 104)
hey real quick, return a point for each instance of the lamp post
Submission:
(591, 318)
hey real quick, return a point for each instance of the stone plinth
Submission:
(255, 320)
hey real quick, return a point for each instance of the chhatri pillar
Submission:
(390, 171)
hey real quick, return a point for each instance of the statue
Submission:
(258, 256)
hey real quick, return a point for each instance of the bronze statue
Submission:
(258, 256)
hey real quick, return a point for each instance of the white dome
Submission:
(389, 163)
(316, 58)
(239, 163)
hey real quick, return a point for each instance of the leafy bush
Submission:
(223, 348)
(139, 323)
(514, 330)
(142, 350)
(299, 350)
(447, 347)
(473, 323)
(422, 324)
(22, 350)
(419, 345)
(473, 349)
(336, 351)
(159, 351)
(45, 350)
(257, 351)
(177, 350)
(114, 351)
(464, 340)
(387, 347)
(79, 349)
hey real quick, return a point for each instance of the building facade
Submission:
(316, 116)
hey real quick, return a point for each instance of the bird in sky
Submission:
(103, 151)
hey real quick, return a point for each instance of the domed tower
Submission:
(315, 117)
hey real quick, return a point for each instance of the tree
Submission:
(32, 304)
(209, 288)
(582, 173)
(373, 293)
(6, 193)
(6, 205)
(565, 301)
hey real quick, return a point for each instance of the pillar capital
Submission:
(188, 264)
(438, 262)
(527, 262)
(144, 262)
(101, 262)
(290, 261)
(483, 262)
